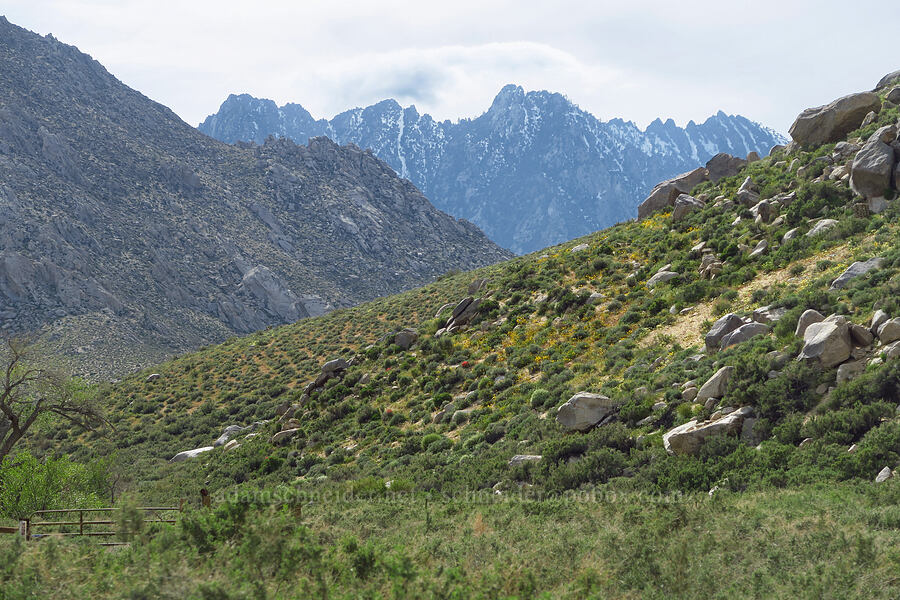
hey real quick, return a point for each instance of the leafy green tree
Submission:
(29, 390)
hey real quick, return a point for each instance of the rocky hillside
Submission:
(128, 236)
(744, 334)
(532, 171)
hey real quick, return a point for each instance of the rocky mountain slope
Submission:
(533, 171)
(745, 333)
(127, 235)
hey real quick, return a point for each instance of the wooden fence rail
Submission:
(42, 524)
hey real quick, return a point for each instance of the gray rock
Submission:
(880, 317)
(821, 227)
(406, 338)
(689, 394)
(188, 454)
(760, 249)
(887, 80)
(832, 122)
(264, 285)
(791, 234)
(849, 370)
(764, 210)
(743, 333)
(152, 377)
(716, 386)
(893, 96)
(722, 327)
(889, 331)
(579, 248)
(827, 342)
(232, 445)
(855, 270)
(808, 317)
(665, 193)
(768, 315)
(688, 438)
(521, 459)
(884, 475)
(870, 175)
(477, 285)
(860, 336)
(584, 410)
(684, 205)
(724, 165)
(747, 194)
(878, 205)
(283, 436)
(333, 366)
(661, 277)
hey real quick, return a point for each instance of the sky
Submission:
(637, 60)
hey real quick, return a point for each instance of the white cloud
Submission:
(766, 59)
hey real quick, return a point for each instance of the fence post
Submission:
(23, 529)
(80, 522)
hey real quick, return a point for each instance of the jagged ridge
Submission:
(532, 171)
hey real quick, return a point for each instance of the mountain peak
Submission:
(525, 171)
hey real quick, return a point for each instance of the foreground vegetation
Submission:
(810, 542)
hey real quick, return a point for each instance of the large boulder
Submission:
(821, 227)
(715, 386)
(893, 96)
(722, 327)
(688, 438)
(406, 338)
(661, 277)
(884, 475)
(584, 410)
(808, 317)
(887, 80)
(685, 205)
(889, 331)
(828, 342)
(832, 122)
(768, 315)
(724, 165)
(743, 333)
(855, 270)
(870, 175)
(665, 193)
(748, 193)
(188, 454)
(284, 435)
(333, 366)
(877, 319)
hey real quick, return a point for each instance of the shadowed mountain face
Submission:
(532, 171)
(125, 231)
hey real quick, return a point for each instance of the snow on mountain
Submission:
(532, 171)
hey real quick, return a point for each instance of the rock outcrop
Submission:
(584, 410)
(873, 168)
(125, 229)
(689, 437)
(832, 122)
(855, 270)
(665, 193)
(827, 342)
(722, 327)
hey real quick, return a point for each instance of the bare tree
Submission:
(29, 389)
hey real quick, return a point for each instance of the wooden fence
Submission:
(63, 523)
